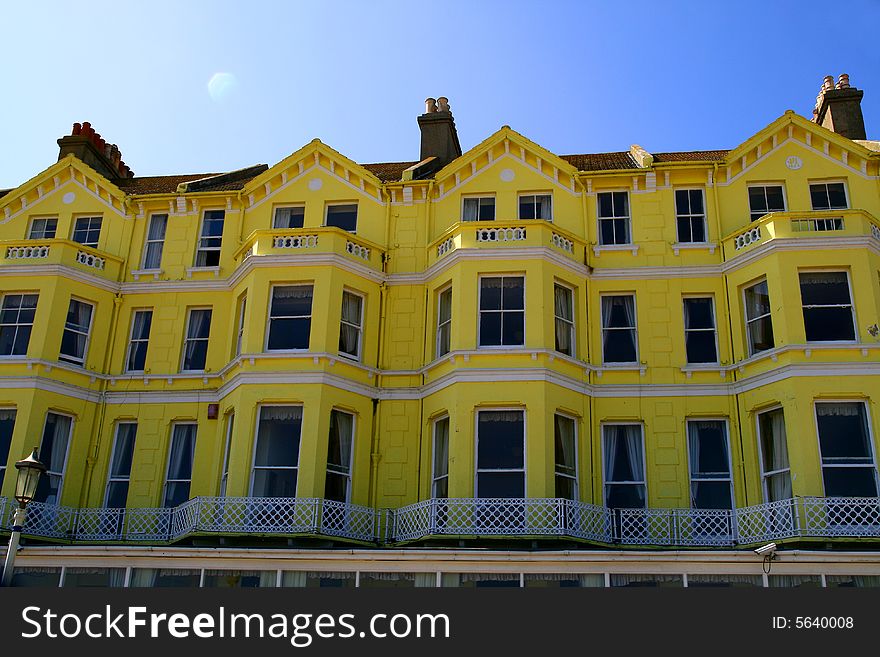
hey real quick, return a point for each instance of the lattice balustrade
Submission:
(841, 516)
(262, 515)
(875, 231)
(586, 521)
(5, 513)
(90, 260)
(49, 520)
(295, 241)
(357, 250)
(184, 518)
(561, 242)
(644, 526)
(764, 522)
(751, 236)
(445, 247)
(348, 520)
(508, 234)
(99, 524)
(26, 252)
(703, 526)
(147, 524)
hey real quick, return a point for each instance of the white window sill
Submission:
(641, 368)
(688, 370)
(194, 270)
(155, 273)
(599, 248)
(694, 246)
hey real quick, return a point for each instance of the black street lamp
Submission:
(29, 471)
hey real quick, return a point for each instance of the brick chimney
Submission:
(839, 108)
(439, 138)
(86, 144)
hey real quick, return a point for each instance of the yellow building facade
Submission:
(601, 369)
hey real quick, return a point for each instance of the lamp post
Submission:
(29, 471)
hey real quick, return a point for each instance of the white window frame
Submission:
(110, 478)
(269, 318)
(186, 338)
(63, 473)
(764, 186)
(634, 328)
(870, 437)
(725, 423)
(525, 468)
(168, 461)
(434, 477)
(67, 358)
(605, 481)
(745, 306)
(224, 472)
(17, 325)
(132, 340)
(825, 183)
(478, 198)
(287, 206)
(852, 305)
(600, 218)
(242, 315)
(556, 473)
(88, 218)
(441, 325)
(359, 327)
(714, 329)
(534, 196)
(690, 215)
(201, 248)
(572, 325)
(4, 459)
(766, 474)
(338, 204)
(148, 242)
(254, 466)
(47, 218)
(348, 475)
(501, 311)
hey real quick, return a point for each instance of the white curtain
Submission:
(281, 413)
(848, 409)
(293, 579)
(609, 305)
(565, 449)
(425, 580)
(471, 209)
(343, 423)
(780, 484)
(143, 578)
(349, 331)
(545, 209)
(53, 453)
(501, 416)
(441, 448)
(791, 581)
(199, 324)
(757, 301)
(631, 436)
(562, 306)
(182, 449)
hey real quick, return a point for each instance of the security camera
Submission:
(766, 550)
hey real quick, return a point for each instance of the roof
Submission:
(601, 161)
(168, 184)
(4, 192)
(388, 171)
(691, 156)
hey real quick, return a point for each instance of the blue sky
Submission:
(573, 76)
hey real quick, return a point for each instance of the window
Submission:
(536, 206)
(224, 475)
(43, 228)
(208, 252)
(563, 309)
(343, 216)
(759, 325)
(155, 240)
(180, 465)
(53, 454)
(828, 310)
(75, 339)
(195, 347)
(444, 321)
(478, 208)
(87, 230)
(241, 314)
(690, 215)
(290, 317)
(614, 223)
(848, 465)
(501, 468)
(339, 451)
(276, 455)
(291, 217)
(16, 322)
(351, 325)
(565, 438)
(502, 311)
(764, 199)
(141, 322)
(619, 338)
(119, 475)
(624, 463)
(828, 196)
(709, 457)
(699, 330)
(7, 424)
(775, 470)
(440, 471)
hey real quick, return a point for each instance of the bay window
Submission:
(276, 453)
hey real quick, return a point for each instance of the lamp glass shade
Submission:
(29, 471)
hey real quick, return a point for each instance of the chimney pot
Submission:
(87, 129)
(430, 105)
(77, 129)
(828, 83)
(443, 104)
(843, 81)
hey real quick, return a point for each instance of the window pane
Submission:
(698, 314)
(278, 437)
(501, 484)
(274, 483)
(828, 324)
(343, 216)
(824, 288)
(512, 294)
(850, 482)
(490, 293)
(625, 496)
(843, 433)
(123, 450)
(490, 329)
(500, 443)
(837, 196)
(117, 494)
(289, 217)
(513, 328)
